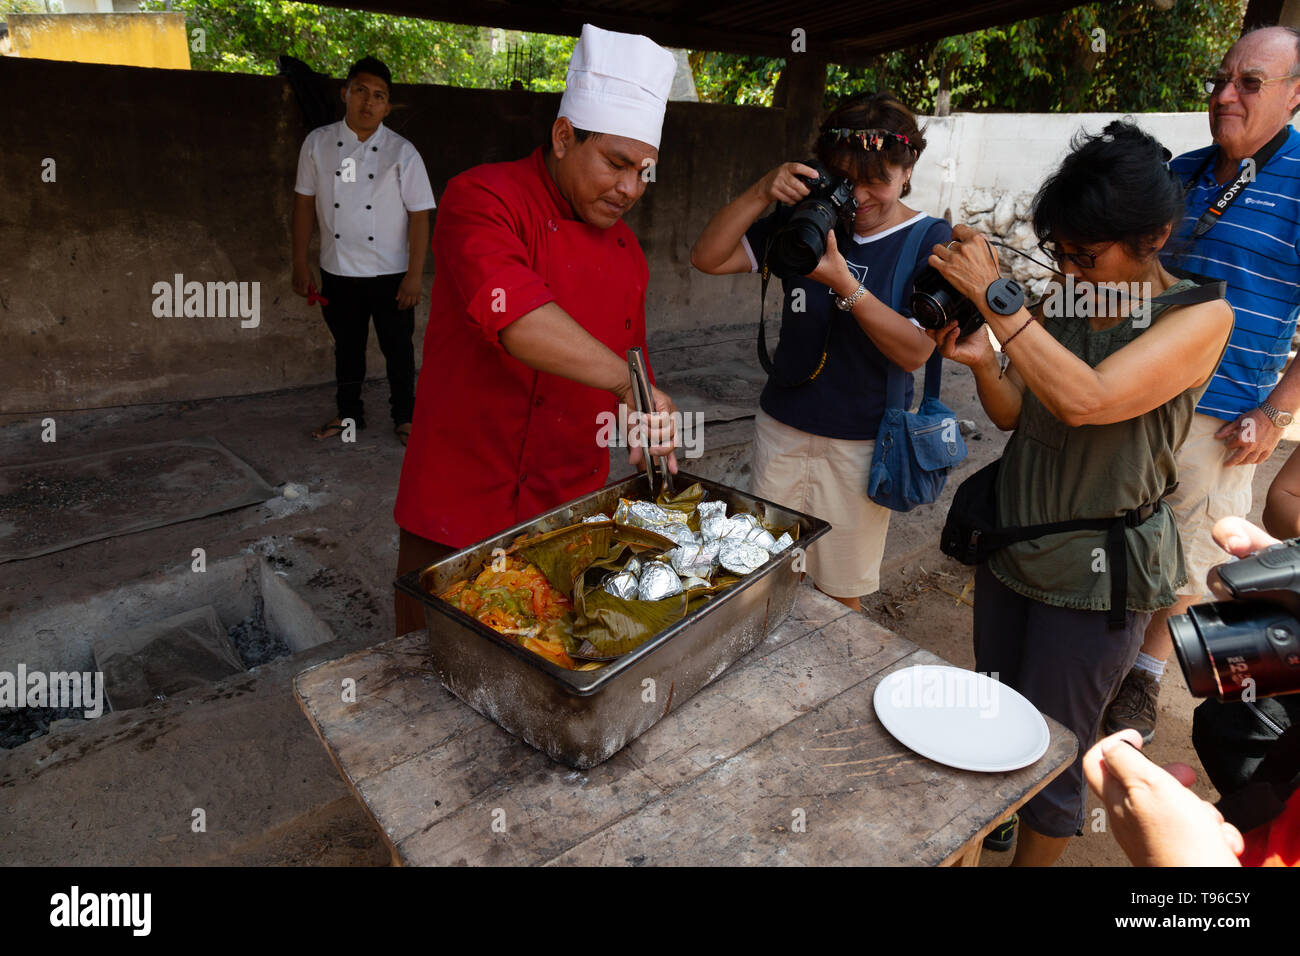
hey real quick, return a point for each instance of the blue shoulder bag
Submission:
(914, 450)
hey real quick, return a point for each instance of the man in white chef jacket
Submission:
(368, 188)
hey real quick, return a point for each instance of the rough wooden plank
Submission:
(832, 787)
(547, 808)
(446, 785)
(402, 715)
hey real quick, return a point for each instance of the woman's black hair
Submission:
(1115, 185)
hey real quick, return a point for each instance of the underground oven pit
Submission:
(148, 641)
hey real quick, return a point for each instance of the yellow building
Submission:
(124, 39)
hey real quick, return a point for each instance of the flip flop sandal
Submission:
(331, 430)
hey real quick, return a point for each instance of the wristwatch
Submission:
(1278, 417)
(848, 303)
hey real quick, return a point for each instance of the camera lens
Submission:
(799, 245)
(935, 303)
(1193, 656)
(1228, 647)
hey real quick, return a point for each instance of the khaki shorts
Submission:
(1207, 491)
(827, 478)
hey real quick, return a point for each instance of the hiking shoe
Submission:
(1134, 706)
(1003, 835)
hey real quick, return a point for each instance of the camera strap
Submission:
(1230, 192)
(911, 248)
(764, 359)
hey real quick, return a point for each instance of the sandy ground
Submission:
(242, 748)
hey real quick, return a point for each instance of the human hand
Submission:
(301, 279)
(833, 271)
(968, 263)
(408, 293)
(973, 350)
(1240, 538)
(783, 185)
(659, 430)
(1156, 820)
(1251, 438)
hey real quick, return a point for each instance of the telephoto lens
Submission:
(797, 247)
(935, 303)
(1249, 647)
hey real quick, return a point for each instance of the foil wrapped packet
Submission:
(623, 584)
(658, 581)
(648, 515)
(698, 560)
(743, 557)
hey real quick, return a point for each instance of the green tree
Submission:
(245, 36)
(1125, 56)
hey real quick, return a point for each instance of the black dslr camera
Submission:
(935, 303)
(797, 247)
(1249, 647)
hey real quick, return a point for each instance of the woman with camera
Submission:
(826, 391)
(1099, 391)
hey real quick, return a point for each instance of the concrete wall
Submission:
(128, 39)
(163, 172)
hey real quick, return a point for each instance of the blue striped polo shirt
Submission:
(1255, 248)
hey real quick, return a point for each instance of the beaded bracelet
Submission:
(1028, 323)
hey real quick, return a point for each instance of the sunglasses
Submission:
(1249, 85)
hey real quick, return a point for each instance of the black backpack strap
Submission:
(1265, 795)
(1116, 550)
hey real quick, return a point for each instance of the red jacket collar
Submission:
(562, 206)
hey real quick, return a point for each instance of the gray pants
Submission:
(1068, 664)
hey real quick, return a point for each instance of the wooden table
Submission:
(779, 761)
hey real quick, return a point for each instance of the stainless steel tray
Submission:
(582, 718)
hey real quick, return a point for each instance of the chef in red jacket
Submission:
(539, 292)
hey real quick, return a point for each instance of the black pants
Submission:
(352, 302)
(1069, 664)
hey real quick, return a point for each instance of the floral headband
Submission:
(870, 139)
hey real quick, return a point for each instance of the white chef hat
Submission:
(618, 83)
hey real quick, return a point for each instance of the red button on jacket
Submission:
(504, 243)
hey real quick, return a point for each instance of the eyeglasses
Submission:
(1249, 85)
(1084, 260)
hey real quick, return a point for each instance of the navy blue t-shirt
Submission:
(847, 400)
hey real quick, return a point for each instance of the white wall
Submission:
(983, 169)
(1014, 152)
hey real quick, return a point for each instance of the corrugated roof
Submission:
(841, 32)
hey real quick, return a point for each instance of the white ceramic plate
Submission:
(961, 719)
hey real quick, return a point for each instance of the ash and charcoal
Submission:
(21, 724)
(255, 643)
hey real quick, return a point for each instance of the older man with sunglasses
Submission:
(1243, 227)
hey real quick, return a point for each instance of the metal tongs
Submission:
(646, 406)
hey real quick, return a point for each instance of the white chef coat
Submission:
(362, 206)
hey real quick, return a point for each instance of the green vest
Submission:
(1051, 472)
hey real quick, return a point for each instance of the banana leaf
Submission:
(563, 555)
(609, 626)
(684, 501)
